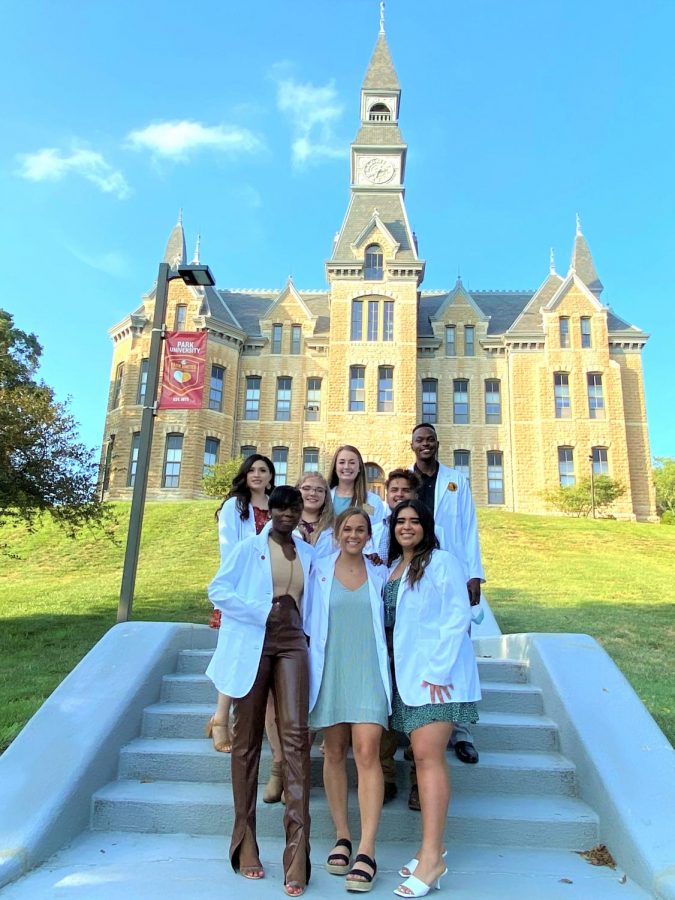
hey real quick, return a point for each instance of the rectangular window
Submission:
(429, 400)
(373, 308)
(561, 390)
(460, 401)
(247, 450)
(211, 453)
(252, 403)
(173, 453)
(181, 316)
(117, 386)
(462, 462)
(216, 388)
(280, 460)
(450, 345)
(283, 408)
(564, 331)
(388, 321)
(469, 345)
(357, 320)
(310, 459)
(385, 389)
(142, 382)
(313, 405)
(357, 388)
(493, 402)
(277, 334)
(600, 461)
(133, 458)
(296, 339)
(596, 402)
(107, 465)
(566, 466)
(585, 331)
(495, 477)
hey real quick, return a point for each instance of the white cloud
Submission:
(176, 140)
(51, 164)
(313, 112)
(110, 262)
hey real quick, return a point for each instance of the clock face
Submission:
(378, 170)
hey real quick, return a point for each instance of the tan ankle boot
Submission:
(274, 787)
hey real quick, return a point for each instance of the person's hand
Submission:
(280, 597)
(437, 692)
(473, 587)
(374, 558)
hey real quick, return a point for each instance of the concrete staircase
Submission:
(522, 794)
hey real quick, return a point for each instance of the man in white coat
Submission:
(447, 494)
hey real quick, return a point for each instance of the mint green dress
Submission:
(351, 684)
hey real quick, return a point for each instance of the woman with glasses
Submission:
(316, 524)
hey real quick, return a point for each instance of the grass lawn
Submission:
(613, 580)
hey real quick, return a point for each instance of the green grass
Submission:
(613, 580)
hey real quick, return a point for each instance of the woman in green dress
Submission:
(350, 688)
(427, 615)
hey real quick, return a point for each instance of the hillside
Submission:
(613, 580)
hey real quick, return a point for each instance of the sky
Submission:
(518, 115)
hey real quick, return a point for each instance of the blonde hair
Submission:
(327, 516)
(360, 494)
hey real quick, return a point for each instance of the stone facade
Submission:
(526, 389)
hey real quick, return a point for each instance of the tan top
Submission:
(287, 575)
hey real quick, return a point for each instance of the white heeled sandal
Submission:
(413, 864)
(417, 888)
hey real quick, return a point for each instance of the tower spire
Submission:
(195, 259)
(579, 231)
(582, 262)
(551, 261)
(175, 253)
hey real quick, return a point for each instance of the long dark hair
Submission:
(424, 549)
(240, 488)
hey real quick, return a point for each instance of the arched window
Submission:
(379, 112)
(375, 479)
(373, 269)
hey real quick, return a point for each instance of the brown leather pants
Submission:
(284, 670)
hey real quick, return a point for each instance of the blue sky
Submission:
(517, 116)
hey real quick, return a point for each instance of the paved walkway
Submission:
(122, 866)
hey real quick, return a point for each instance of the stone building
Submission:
(527, 390)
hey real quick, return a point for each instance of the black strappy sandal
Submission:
(354, 884)
(340, 868)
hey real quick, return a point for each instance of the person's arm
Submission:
(231, 589)
(454, 614)
(229, 528)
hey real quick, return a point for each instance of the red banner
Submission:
(183, 376)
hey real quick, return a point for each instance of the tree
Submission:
(664, 482)
(218, 480)
(43, 466)
(577, 500)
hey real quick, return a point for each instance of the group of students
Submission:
(340, 614)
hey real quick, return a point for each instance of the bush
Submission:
(668, 517)
(218, 480)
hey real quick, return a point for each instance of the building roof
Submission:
(381, 74)
(360, 213)
(382, 134)
(582, 263)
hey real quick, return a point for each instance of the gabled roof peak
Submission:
(381, 74)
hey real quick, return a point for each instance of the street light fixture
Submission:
(196, 276)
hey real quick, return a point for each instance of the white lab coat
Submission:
(324, 545)
(232, 528)
(323, 573)
(456, 523)
(431, 640)
(242, 591)
(379, 508)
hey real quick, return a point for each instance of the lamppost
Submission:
(590, 457)
(196, 276)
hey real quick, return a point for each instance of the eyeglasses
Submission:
(312, 490)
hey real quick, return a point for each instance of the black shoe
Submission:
(466, 752)
(414, 799)
(390, 791)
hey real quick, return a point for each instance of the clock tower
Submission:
(374, 274)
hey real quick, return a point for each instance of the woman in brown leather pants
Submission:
(262, 646)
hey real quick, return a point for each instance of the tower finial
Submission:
(180, 216)
(195, 259)
(381, 16)
(551, 262)
(578, 224)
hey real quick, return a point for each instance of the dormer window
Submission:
(379, 112)
(373, 264)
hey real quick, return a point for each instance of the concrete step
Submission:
(123, 866)
(523, 820)
(495, 731)
(506, 696)
(160, 759)
(196, 661)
